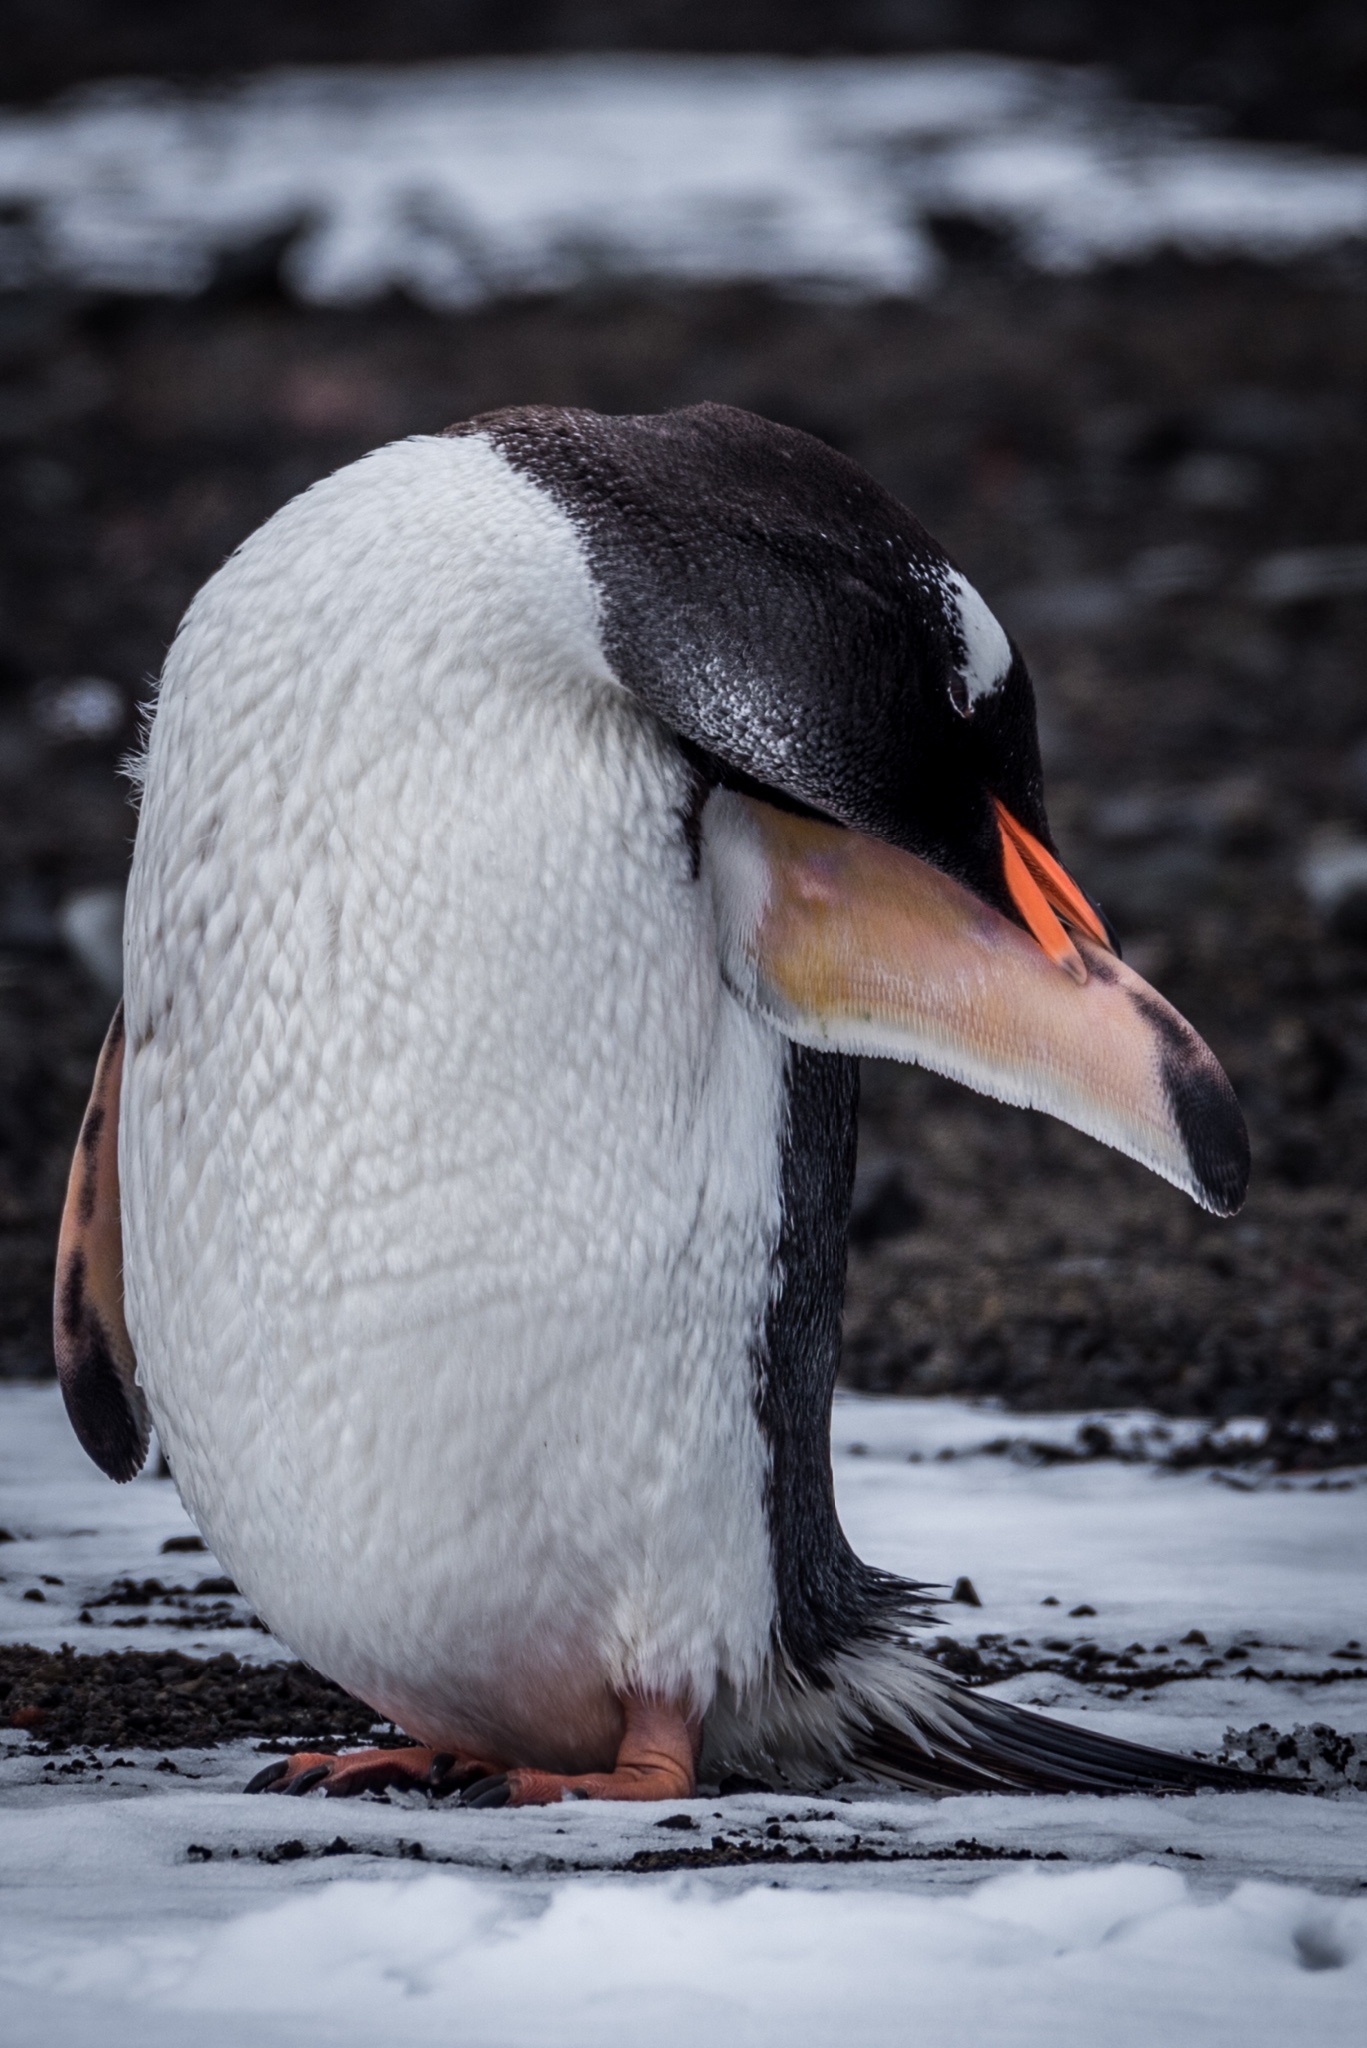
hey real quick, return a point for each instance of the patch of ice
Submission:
(461, 182)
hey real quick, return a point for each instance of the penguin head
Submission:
(795, 625)
(865, 741)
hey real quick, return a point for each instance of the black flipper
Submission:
(95, 1361)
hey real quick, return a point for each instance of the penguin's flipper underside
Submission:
(1003, 1748)
(95, 1361)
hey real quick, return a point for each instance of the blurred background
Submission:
(1084, 284)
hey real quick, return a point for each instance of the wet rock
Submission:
(1315, 1755)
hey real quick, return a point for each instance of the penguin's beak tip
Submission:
(1205, 1110)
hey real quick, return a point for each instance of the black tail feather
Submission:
(1004, 1748)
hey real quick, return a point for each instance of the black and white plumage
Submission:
(537, 820)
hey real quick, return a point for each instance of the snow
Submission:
(146, 1905)
(1126, 1955)
(461, 182)
(111, 1933)
(74, 1534)
(1154, 1552)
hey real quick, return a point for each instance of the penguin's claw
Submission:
(264, 1779)
(295, 1788)
(496, 1791)
(294, 1775)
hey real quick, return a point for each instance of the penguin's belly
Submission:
(451, 1190)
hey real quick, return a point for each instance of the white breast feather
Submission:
(450, 1169)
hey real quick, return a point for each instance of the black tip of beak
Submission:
(1212, 1124)
(1206, 1112)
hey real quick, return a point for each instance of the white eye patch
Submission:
(987, 651)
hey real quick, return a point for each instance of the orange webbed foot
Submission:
(370, 1770)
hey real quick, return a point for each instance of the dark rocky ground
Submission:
(164, 1700)
(1109, 458)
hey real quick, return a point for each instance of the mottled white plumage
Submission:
(450, 1169)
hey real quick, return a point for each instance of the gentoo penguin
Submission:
(537, 820)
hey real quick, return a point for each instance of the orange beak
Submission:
(1043, 892)
(851, 945)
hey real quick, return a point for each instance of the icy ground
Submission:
(461, 182)
(151, 1905)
